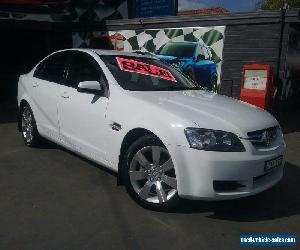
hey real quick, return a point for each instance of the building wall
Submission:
(247, 44)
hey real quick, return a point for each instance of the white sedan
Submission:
(166, 138)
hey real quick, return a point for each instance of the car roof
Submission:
(113, 52)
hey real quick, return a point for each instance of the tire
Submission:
(190, 73)
(214, 83)
(149, 176)
(29, 130)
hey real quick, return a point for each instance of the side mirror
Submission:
(91, 87)
(200, 57)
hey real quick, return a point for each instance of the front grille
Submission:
(257, 178)
(263, 138)
(225, 186)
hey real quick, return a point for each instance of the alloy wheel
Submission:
(152, 174)
(27, 124)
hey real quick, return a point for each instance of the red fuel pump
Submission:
(257, 85)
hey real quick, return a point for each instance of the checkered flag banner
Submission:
(151, 40)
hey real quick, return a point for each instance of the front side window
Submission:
(146, 74)
(52, 68)
(82, 68)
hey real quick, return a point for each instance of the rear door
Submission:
(82, 116)
(46, 81)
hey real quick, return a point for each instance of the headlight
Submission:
(213, 140)
(177, 64)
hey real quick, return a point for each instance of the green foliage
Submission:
(277, 4)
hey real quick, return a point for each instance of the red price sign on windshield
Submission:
(138, 67)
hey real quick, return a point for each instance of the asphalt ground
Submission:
(51, 198)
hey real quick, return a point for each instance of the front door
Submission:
(82, 116)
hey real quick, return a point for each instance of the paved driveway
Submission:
(53, 199)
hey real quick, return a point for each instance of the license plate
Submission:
(274, 163)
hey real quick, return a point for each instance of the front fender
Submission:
(170, 133)
(133, 113)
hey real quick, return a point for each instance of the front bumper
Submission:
(206, 175)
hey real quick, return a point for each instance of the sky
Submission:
(230, 5)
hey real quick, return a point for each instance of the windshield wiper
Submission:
(173, 88)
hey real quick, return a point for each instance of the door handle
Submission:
(35, 84)
(65, 95)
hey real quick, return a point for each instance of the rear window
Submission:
(146, 74)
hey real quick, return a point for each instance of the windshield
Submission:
(178, 49)
(146, 74)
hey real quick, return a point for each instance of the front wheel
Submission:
(214, 83)
(149, 175)
(191, 74)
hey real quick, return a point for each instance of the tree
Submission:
(277, 4)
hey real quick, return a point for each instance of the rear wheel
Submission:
(149, 174)
(190, 73)
(29, 130)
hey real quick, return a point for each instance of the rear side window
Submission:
(38, 73)
(52, 68)
(83, 67)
